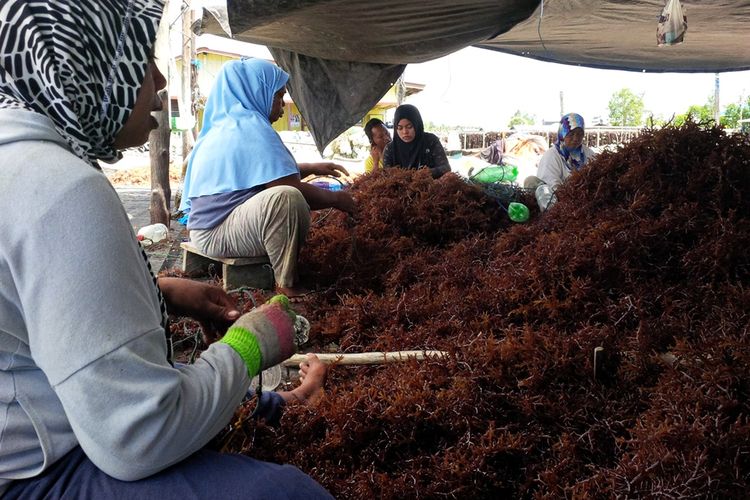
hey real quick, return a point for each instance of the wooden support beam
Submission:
(158, 147)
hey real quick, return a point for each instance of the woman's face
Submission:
(405, 130)
(277, 109)
(140, 123)
(380, 136)
(574, 138)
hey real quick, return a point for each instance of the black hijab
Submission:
(408, 154)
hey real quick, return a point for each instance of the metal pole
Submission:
(562, 104)
(717, 116)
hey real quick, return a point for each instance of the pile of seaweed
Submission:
(645, 255)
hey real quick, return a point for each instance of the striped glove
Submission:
(264, 337)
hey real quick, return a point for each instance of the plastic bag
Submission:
(545, 197)
(672, 24)
(153, 233)
(495, 173)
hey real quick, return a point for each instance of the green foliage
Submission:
(700, 114)
(734, 113)
(441, 128)
(521, 119)
(656, 120)
(626, 108)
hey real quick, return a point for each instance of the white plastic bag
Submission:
(153, 233)
(672, 24)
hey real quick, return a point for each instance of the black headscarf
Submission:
(80, 63)
(408, 154)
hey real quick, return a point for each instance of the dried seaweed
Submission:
(645, 254)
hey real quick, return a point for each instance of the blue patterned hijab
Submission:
(575, 158)
(238, 148)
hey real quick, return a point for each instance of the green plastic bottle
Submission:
(496, 173)
(518, 212)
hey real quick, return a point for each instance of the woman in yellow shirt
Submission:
(379, 138)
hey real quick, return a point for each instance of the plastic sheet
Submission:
(344, 54)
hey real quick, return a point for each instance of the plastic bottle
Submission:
(496, 173)
(545, 197)
(330, 186)
(153, 233)
(518, 212)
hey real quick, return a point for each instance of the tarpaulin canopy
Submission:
(622, 35)
(343, 55)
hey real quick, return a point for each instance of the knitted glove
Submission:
(264, 337)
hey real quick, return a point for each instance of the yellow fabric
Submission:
(369, 164)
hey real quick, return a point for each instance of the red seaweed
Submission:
(645, 254)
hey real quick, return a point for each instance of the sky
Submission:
(484, 88)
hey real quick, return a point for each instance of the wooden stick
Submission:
(366, 358)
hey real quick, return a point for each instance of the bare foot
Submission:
(312, 376)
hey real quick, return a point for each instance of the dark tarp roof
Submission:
(622, 35)
(343, 55)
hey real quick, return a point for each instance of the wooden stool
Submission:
(253, 272)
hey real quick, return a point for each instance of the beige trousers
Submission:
(274, 222)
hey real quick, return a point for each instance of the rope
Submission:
(539, 26)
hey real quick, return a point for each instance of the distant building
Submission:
(600, 121)
(213, 51)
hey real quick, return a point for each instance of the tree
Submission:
(698, 113)
(735, 112)
(521, 119)
(626, 108)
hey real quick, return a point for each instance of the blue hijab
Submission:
(575, 158)
(237, 148)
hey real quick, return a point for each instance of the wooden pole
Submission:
(367, 358)
(188, 54)
(158, 142)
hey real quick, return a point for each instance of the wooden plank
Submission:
(193, 263)
(236, 272)
(249, 275)
(232, 261)
(366, 358)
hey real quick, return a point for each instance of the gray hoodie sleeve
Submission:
(93, 322)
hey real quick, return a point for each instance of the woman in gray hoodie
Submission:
(90, 406)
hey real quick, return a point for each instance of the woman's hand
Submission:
(211, 306)
(330, 168)
(322, 168)
(376, 155)
(345, 202)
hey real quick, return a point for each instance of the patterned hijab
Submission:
(408, 154)
(575, 158)
(80, 63)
